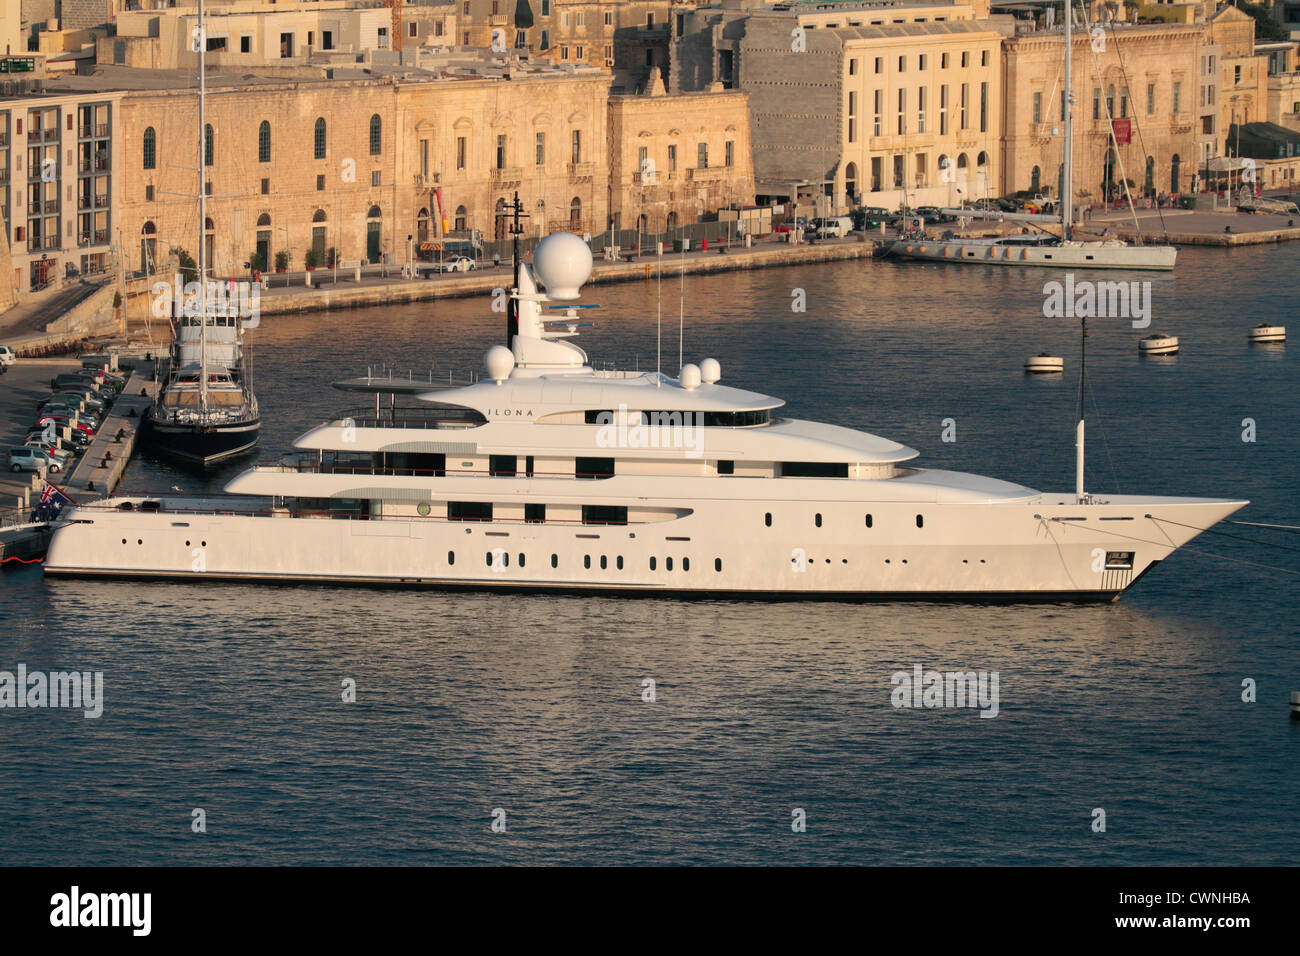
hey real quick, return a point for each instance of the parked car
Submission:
(64, 421)
(92, 399)
(832, 227)
(869, 217)
(23, 458)
(459, 264)
(7, 356)
(56, 454)
(76, 437)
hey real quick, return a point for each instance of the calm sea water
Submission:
(227, 697)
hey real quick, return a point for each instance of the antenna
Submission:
(681, 309)
(203, 219)
(514, 208)
(659, 303)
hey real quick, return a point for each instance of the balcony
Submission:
(46, 208)
(97, 165)
(507, 174)
(582, 170)
(706, 174)
(4, 175)
(43, 135)
(4, 139)
(37, 244)
(97, 238)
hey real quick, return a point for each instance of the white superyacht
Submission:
(550, 475)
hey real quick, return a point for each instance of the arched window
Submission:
(1036, 178)
(962, 163)
(851, 181)
(575, 213)
(1110, 102)
(149, 248)
(374, 213)
(150, 149)
(318, 216)
(1149, 183)
(264, 220)
(982, 160)
(376, 135)
(422, 226)
(1174, 171)
(320, 137)
(264, 142)
(209, 144)
(672, 221)
(461, 217)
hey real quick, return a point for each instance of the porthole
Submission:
(868, 521)
(203, 544)
(668, 564)
(817, 520)
(920, 521)
(619, 563)
(686, 564)
(521, 559)
(451, 557)
(187, 544)
(423, 509)
(555, 560)
(886, 560)
(139, 540)
(586, 561)
(767, 519)
(604, 563)
(652, 564)
(717, 564)
(124, 541)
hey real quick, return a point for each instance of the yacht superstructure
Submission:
(548, 474)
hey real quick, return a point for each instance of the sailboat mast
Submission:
(1067, 158)
(203, 219)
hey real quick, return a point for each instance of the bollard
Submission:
(308, 275)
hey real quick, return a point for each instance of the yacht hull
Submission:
(1040, 549)
(203, 444)
(1083, 256)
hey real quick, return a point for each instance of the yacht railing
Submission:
(407, 417)
(314, 467)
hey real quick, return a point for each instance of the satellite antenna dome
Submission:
(710, 371)
(690, 376)
(562, 262)
(500, 362)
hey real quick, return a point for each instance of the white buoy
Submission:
(1268, 333)
(1295, 705)
(1159, 343)
(1044, 364)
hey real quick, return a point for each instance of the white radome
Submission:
(710, 370)
(690, 376)
(562, 262)
(500, 362)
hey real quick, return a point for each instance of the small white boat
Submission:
(1160, 343)
(1044, 364)
(1268, 333)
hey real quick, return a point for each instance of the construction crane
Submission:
(396, 7)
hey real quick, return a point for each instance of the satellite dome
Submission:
(562, 262)
(690, 376)
(710, 370)
(500, 362)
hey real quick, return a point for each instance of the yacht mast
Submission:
(1079, 494)
(202, 43)
(1067, 159)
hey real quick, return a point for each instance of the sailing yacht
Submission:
(549, 474)
(205, 411)
(1062, 251)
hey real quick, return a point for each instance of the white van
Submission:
(833, 227)
(7, 356)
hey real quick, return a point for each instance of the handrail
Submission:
(319, 468)
(102, 507)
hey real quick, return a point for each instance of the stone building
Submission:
(882, 103)
(360, 166)
(671, 158)
(627, 37)
(60, 164)
(1146, 80)
(1243, 75)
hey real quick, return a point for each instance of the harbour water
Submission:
(228, 697)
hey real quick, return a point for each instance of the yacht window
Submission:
(534, 513)
(586, 561)
(451, 557)
(767, 519)
(604, 563)
(1119, 560)
(594, 417)
(686, 564)
(920, 521)
(555, 560)
(726, 467)
(428, 464)
(814, 469)
(668, 563)
(469, 511)
(521, 559)
(528, 466)
(593, 467)
(817, 520)
(604, 514)
(619, 563)
(868, 521)
(717, 564)
(652, 564)
(502, 466)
